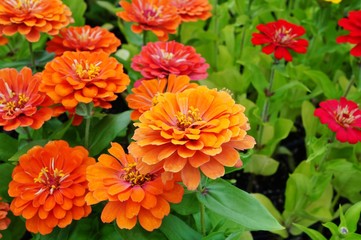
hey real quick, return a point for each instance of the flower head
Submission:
(279, 37)
(157, 16)
(21, 103)
(132, 196)
(83, 38)
(196, 130)
(159, 59)
(83, 77)
(149, 92)
(352, 24)
(342, 117)
(4, 220)
(31, 17)
(192, 10)
(49, 186)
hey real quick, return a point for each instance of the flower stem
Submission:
(89, 108)
(268, 92)
(203, 222)
(349, 85)
(32, 57)
(216, 33)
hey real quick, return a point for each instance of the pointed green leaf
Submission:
(232, 203)
(8, 146)
(313, 234)
(175, 229)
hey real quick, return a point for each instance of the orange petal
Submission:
(111, 210)
(213, 169)
(191, 177)
(148, 221)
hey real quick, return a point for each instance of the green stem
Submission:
(359, 75)
(349, 85)
(28, 135)
(32, 57)
(144, 38)
(202, 213)
(88, 118)
(264, 115)
(335, 201)
(216, 33)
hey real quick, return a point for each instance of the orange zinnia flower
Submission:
(157, 16)
(192, 131)
(21, 103)
(193, 10)
(132, 196)
(49, 186)
(147, 94)
(83, 77)
(83, 39)
(4, 221)
(31, 17)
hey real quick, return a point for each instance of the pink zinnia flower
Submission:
(342, 117)
(352, 24)
(279, 37)
(159, 59)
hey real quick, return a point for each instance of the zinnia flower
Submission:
(157, 16)
(192, 10)
(192, 131)
(83, 77)
(83, 39)
(342, 117)
(131, 196)
(159, 59)
(352, 24)
(31, 17)
(279, 37)
(4, 221)
(21, 103)
(49, 186)
(147, 94)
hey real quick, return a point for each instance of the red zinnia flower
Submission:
(192, 10)
(197, 130)
(342, 117)
(132, 196)
(83, 39)
(279, 37)
(352, 24)
(159, 59)
(49, 186)
(21, 103)
(157, 16)
(4, 220)
(148, 92)
(31, 17)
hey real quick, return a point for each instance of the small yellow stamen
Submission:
(184, 121)
(157, 98)
(88, 71)
(134, 177)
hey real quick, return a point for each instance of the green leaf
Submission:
(175, 229)
(324, 82)
(6, 170)
(16, 229)
(352, 217)
(8, 146)
(313, 234)
(308, 119)
(332, 227)
(138, 233)
(106, 130)
(214, 236)
(26, 147)
(188, 205)
(108, 6)
(77, 8)
(261, 165)
(234, 204)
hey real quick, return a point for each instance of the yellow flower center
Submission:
(24, 4)
(157, 98)
(10, 102)
(185, 120)
(284, 36)
(344, 116)
(134, 177)
(85, 70)
(50, 180)
(166, 55)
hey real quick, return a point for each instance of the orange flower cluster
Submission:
(21, 103)
(193, 10)
(31, 17)
(4, 220)
(147, 94)
(83, 77)
(132, 196)
(192, 131)
(83, 39)
(49, 186)
(157, 16)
